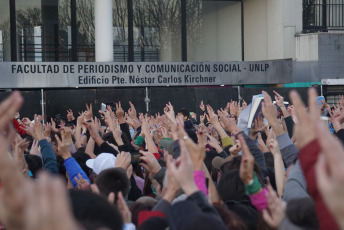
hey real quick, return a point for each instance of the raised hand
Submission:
(270, 113)
(247, 162)
(128, 120)
(236, 148)
(183, 170)
(81, 182)
(201, 118)
(214, 143)
(70, 115)
(330, 172)
(36, 131)
(196, 151)
(212, 117)
(89, 112)
(305, 130)
(201, 106)
(81, 118)
(276, 209)
(233, 108)
(123, 160)
(47, 129)
(244, 104)
(66, 132)
(132, 111)
(123, 208)
(149, 162)
(53, 125)
(279, 99)
(229, 123)
(120, 113)
(169, 112)
(18, 154)
(63, 147)
(34, 148)
(9, 107)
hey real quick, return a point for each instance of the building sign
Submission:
(137, 74)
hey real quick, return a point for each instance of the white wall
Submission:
(307, 47)
(270, 28)
(220, 33)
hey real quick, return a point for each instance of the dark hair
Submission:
(209, 156)
(231, 187)
(137, 207)
(62, 168)
(108, 137)
(185, 112)
(301, 213)
(192, 135)
(229, 218)
(154, 223)
(235, 163)
(93, 211)
(113, 180)
(34, 163)
(81, 158)
(30, 140)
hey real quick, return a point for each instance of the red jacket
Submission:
(17, 126)
(308, 157)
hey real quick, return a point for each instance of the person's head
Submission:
(62, 123)
(231, 220)
(101, 162)
(154, 223)
(232, 191)
(186, 215)
(192, 135)
(69, 116)
(113, 180)
(193, 115)
(137, 207)
(231, 187)
(94, 212)
(184, 113)
(301, 212)
(235, 163)
(81, 158)
(34, 163)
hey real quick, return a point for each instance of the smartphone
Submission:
(103, 107)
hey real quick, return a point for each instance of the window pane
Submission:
(157, 30)
(213, 30)
(85, 25)
(64, 31)
(120, 30)
(30, 30)
(5, 45)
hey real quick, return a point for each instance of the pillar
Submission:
(103, 30)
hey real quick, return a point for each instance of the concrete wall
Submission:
(220, 33)
(307, 47)
(270, 28)
(319, 56)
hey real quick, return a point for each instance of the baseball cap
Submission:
(218, 162)
(101, 162)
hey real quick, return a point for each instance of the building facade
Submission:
(309, 32)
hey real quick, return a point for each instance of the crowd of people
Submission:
(174, 170)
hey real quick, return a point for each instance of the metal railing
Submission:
(86, 53)
(323, 15)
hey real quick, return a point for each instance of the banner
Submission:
(138, 74)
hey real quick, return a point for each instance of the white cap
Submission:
(101, 162)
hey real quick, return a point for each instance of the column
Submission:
(103, 30)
